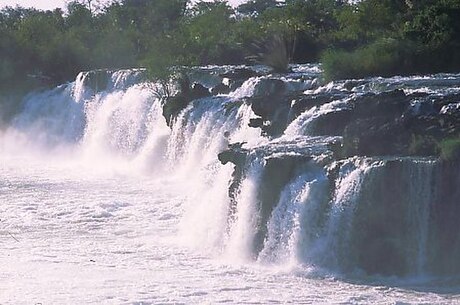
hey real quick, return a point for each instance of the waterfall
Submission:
(246, 220)
(286, 202)
(295, 221)
(304, 123)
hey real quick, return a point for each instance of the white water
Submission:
(101, 203)
(293, 225)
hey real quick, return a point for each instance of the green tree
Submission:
(254, 8)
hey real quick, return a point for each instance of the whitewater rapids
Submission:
(102, 203)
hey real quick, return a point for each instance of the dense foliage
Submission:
(351, 38)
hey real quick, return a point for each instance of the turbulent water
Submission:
(101, 202)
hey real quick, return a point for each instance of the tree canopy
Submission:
(401, 35)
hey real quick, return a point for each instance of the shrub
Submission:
(273, 53)
(384, 57)
(450, 149)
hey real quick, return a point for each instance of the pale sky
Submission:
(51, 4)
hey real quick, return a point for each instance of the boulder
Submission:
(237, 155)
(303, 102)
(332, 124)
(98, 80)
(172, 106)
(391, 104)
(234, 154)
(220, 89)
(198, 91)
(270, 87)
(256, 123)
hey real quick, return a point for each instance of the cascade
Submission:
(286, 193)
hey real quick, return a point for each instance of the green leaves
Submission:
(375, 36)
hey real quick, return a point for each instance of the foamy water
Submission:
(84, 238)
(102, 203)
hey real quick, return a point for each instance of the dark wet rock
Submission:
(272, 104)
(387, 124)
(277, 172)
(375, 136)
(220, 89)
(380, 135)
(391, 104)
(303, 102)
(333, 123)
(172, 106)
(273, 112)
(377, 243)
(270, 87)
(336, 147)
(353, 83)
(256, 123)
(447, 99)
(10, 105)
(271, 108)
(444, 241)
(265, 107)
(423, 107)
(236, 155)
(98, 80)
(229, 107)
(233, 79)
(233, 85)
(198, 91)
(385, 221)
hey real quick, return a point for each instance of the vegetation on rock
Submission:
(450, 149)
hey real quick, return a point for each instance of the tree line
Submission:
(350, 38)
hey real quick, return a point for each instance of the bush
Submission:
(273, 53)
(382, 58)
(450, 149)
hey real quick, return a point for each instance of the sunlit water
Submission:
(101, 203)
(70, 236)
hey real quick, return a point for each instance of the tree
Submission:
(207, 30)
(254, 8)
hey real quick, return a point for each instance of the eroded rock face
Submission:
(386, 124)
(302, 102)
(173, 105)
(381, 210)
(444, 239)
(273, 112)
(233, 79)
(271, 104)
(98, 80)
(278, 171)
(376, 117)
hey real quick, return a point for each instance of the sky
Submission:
(51, 4)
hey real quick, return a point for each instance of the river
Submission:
(102, 203)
